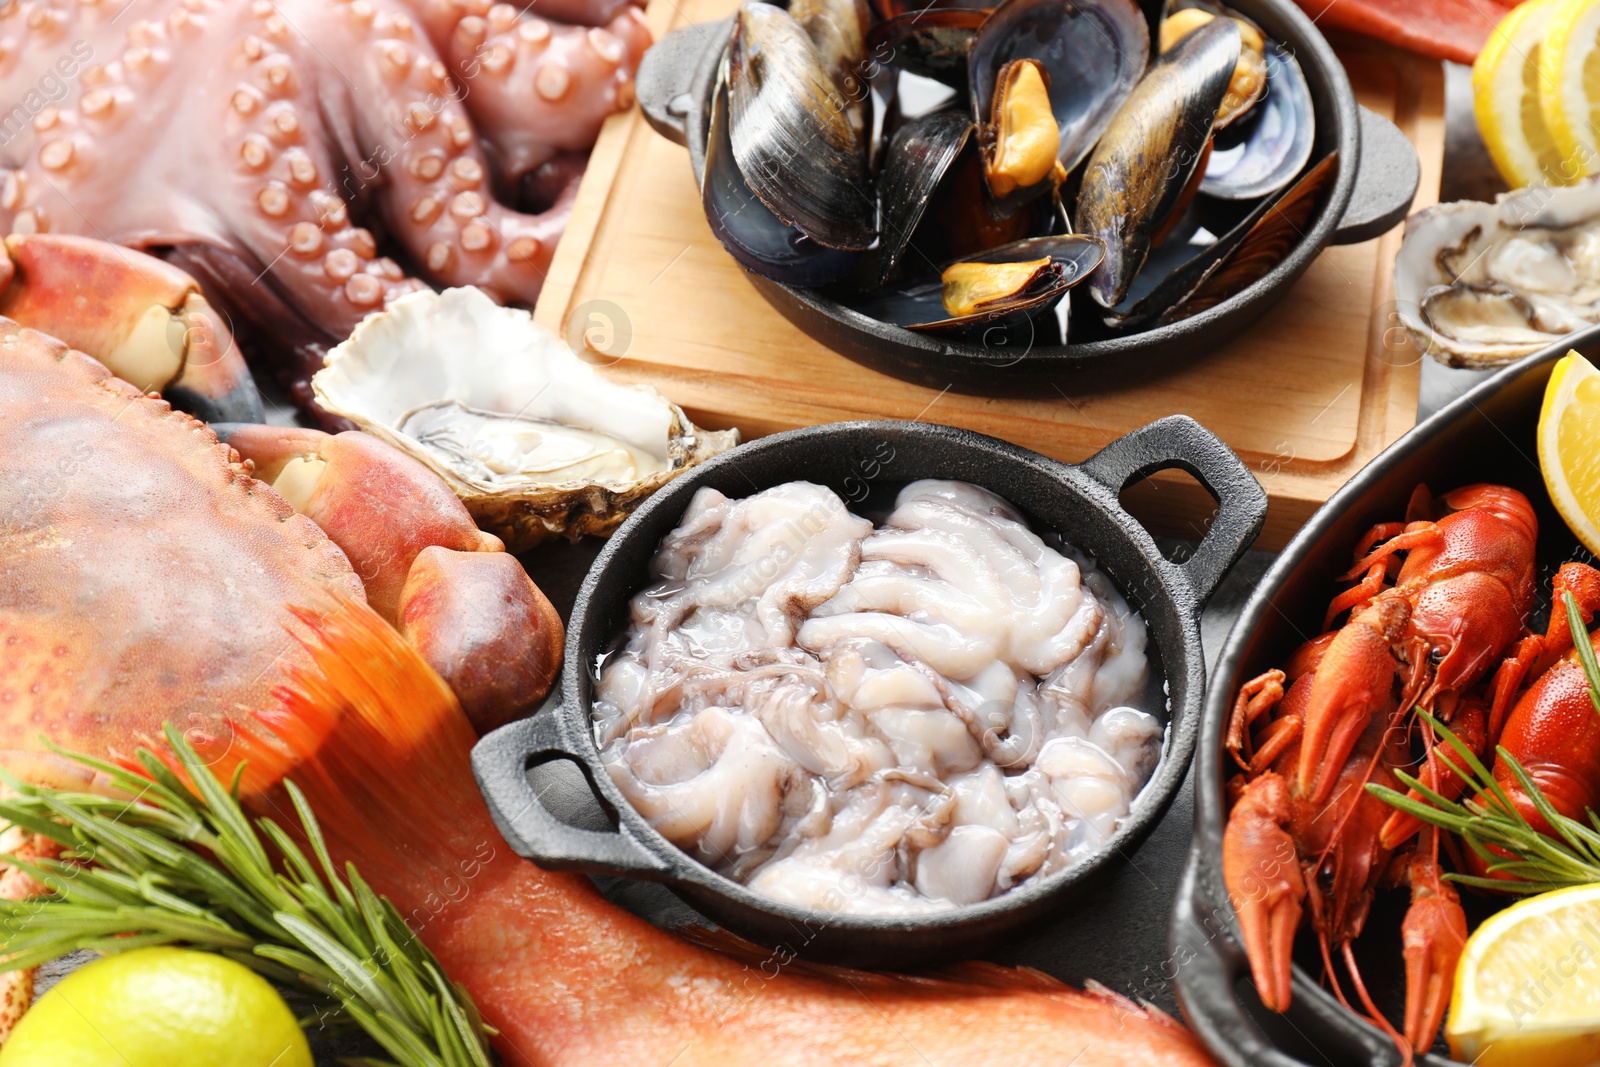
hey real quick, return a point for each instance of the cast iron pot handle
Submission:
(500, 763)
(666, 76)
(1386, 182)
(1179, 441)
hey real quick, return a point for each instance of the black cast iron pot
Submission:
(1376, 181)
(857, 460)
(1487, 435)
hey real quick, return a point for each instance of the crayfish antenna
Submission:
(1407, 1056)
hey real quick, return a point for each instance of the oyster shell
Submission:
(534, 441)
(1480, 285)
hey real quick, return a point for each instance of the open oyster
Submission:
(534, 441)
(1479, 285)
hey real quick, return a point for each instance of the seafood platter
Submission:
(282, 709)
(921, 190)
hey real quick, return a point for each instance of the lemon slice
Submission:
(1569, 445)
(1528, 985)
(1505, 99)
(1569, 84)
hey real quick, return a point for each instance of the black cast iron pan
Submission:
(1376, 181)
(1487, 435)
(854, 459)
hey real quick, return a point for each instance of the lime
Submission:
(159, 1007)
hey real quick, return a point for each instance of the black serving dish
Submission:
(1080, 502)
(1487, 435)
(1376, 179)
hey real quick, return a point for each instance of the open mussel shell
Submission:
(754, 236)
(791, 131)
(1264, 153)
(1093, 50)
(1180, 281)
(1143, 162)
(921, 306)
(933, 44)
(920, 155)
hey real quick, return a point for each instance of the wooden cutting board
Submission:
(1320, 385)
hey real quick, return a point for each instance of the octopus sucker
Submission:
(889, 720)
(376, 105)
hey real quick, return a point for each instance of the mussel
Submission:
(947, 204)
(791, 131)
(1016, 280)
(1089, 57)
(1142, 165)
(752, 234)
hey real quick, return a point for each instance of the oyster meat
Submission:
(533, 439)
(1480, 285)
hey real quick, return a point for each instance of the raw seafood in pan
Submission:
(882, 721)
(261, 145)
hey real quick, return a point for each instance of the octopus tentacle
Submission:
(536, 88)
(438, 202)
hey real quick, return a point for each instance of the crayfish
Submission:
(1437, 620)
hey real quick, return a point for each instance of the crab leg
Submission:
(142, 318)
(466, 605)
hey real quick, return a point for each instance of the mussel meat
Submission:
(1139, 170)
(1093, 54)
(1021, 139)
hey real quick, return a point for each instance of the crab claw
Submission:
(1353, 682)
(1433, 933)
(466, 605)
(375, 502)
(144, 319)
(1261, 869)
(479, 620)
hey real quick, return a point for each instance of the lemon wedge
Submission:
(1528, 985)
(1569, 85)
(1569, 445)
(1505, 99)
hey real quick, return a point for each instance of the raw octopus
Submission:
(1444, 29)
(799, 694)
(253, 141)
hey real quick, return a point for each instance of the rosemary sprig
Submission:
(1491, 825)
(173, 867)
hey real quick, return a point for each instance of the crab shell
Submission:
(146, 576)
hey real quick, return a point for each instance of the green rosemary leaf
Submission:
(175, 863)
